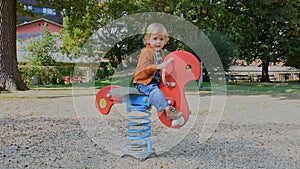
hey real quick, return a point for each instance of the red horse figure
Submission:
(184, 68)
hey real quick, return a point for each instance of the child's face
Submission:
(157, 41)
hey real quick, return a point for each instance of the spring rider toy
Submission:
(184, 68)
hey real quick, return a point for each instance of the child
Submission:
(147, 75)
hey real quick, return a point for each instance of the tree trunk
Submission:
(265, 71)
(10, 77)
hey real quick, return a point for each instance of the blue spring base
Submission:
(139, 126)
(140, 155)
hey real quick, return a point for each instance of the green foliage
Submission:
(292, 41)
(41, 49)
(93, 14)
(81, 18)
(201, 13)
(224, 46)
(25, 12)
(125, 48)
(75, 33)
(265, 29)
(45, 74)
(73, 42)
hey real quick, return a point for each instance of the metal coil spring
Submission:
(139, 128)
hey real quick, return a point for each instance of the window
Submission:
(49, 11)
(44, 10)
(29, 8)
(38, 10)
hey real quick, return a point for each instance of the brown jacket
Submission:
(146, 66)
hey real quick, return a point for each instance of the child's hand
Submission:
(165, 64)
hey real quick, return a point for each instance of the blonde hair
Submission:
(156, 28)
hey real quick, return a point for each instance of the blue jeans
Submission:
(156, 96)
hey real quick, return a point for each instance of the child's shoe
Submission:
(172, 113)
(178, 122)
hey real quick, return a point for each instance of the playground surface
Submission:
(41, 129)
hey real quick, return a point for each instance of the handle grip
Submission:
(163, 75)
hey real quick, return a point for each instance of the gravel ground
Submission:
(60, 129)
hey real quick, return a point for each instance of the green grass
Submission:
(97, 84)
(262, 87)
(274, 89)
(231, 88)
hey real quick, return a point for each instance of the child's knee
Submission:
(155, 91)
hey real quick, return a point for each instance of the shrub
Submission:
(45, 74)
(41, 49)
